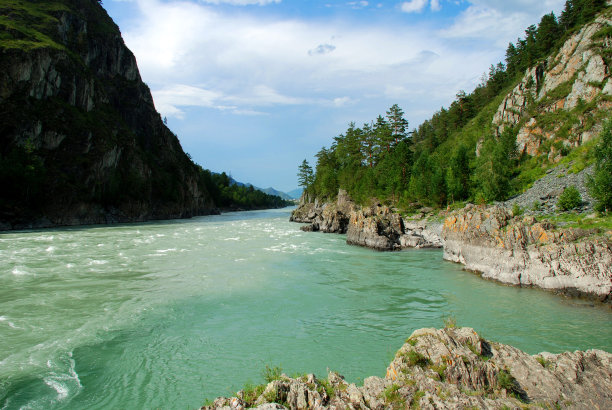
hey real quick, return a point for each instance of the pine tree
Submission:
(305, 175)
(398, 123)
(547, 35)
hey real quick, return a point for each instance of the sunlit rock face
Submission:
(575, 80)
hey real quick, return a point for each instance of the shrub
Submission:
(569, 199)
(417, 359)
(272, 373)
(516, 210)
(450, 322)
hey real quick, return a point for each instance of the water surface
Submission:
(167, 314)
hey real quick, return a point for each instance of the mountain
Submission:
(269, 191)
(80, 139)
(296, 193)
(272, 191)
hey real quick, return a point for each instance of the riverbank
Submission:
(515, 250)
(447, 368)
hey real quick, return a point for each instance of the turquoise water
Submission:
(168, 314)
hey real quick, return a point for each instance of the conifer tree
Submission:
(305, 175)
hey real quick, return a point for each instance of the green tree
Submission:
(496, 166)
(569, 199)
(458, 174)
(398, 123)
(305, 175)
(600, 184)
(547, 35)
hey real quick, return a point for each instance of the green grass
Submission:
(414, 404)
(542, 361)
(391, 395)
(251, 393)
(601, 223)
(271, 373)
(415, 358)
(26, 24)
(450, 322)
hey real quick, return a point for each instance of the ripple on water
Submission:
(20, 271)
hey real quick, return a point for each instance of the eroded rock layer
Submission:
(525, 252)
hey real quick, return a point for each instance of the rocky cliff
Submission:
(561, 103)
(80, 139)
(525, 252)
(452, 368)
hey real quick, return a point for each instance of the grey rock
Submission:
(506, 249)
(450, 369)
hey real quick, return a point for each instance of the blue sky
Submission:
(252, 87)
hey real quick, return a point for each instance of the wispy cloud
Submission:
(321, 49)
(358, 4)
(499, 21)
(414, 6)
(241, 2)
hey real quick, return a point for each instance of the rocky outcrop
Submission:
(525, 252)
(450, 368)
(79, 132)
(376, 227)
(578, 75)
(328, 217)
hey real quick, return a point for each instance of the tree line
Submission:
(436, 163)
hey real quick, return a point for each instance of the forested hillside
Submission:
(552, 92)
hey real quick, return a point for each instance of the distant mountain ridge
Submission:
(288, 196)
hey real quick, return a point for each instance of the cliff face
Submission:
(451, 368)
(80, 139)
(528, 253)
(561, 103)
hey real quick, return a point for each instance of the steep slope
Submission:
(80, 139)
(561, 103)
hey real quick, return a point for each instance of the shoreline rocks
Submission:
(377, 227)
(448, 368)
(518, 251)
(525, 252)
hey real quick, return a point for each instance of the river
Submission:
(168, 314)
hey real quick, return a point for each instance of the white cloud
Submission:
(499, 21)
(358, 4)
(241, 2)
(435, 5)
(413, 6)
(193, 55)
(342, 101)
